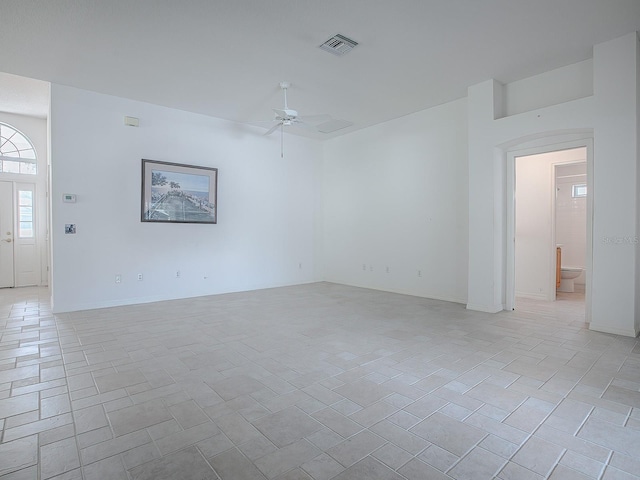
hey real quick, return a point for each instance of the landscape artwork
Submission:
(176, 193)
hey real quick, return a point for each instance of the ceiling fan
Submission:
(285, 117)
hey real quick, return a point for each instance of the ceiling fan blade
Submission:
(272, 129)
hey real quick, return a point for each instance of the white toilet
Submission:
(567, 277)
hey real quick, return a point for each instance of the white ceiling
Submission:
(225, 58)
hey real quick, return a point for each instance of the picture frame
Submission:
(178, 193)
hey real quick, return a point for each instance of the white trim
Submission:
(410, 293)
(552, 241)
(20, 159)
(485, 308)
(615, 331)
(77, 307)
(532, 296)
(510, 262)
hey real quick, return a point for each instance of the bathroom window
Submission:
(578, 191)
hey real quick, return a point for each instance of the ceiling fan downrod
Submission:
(284, 86)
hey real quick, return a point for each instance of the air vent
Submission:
(338, 45)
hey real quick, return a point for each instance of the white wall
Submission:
(395, 197)
(615, 249)
(550, 88)
(637, 294)
(36, 130)
(267, 217)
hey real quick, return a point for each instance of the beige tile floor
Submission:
(317, 382)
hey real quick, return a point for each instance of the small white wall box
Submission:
(131, 122)
(69, 197)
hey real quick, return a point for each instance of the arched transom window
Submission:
(17, 154)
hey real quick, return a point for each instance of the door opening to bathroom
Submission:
(550, 225)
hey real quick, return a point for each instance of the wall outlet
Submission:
(177, 273)
(371, 268)
(364, 267)
(139, 277)
(419, 273)
(300, 265)
(387, 269)
(118, 278)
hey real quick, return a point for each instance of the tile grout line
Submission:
(566, 396)
(605, 465)
(71, 411)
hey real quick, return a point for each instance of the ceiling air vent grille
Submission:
(338, 45)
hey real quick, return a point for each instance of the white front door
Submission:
(19, 252)
(6, 235)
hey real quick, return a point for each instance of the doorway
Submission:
(533, 261)
(19, 245)
(24, 200)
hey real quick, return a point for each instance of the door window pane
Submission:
(25, 212)
(25, 197)
(28, 168)
(9, 166)
(26, 229)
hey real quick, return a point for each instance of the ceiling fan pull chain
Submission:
(282, 137)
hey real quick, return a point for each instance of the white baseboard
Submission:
(485, 308)
(627, 332)
(412, 293)
(533, 296)
(121, 302)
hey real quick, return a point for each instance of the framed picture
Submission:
(176, 193)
